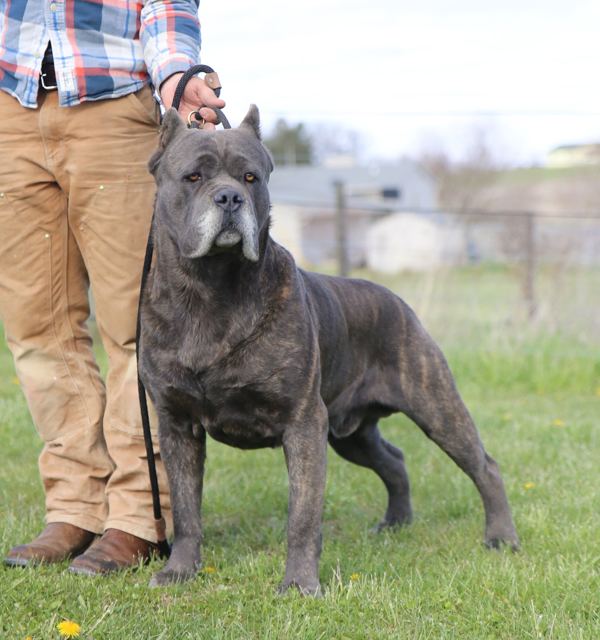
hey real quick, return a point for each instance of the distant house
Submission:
(304, 204)
(415, 242)
(574, 155)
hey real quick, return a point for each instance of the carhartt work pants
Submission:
(75, 206)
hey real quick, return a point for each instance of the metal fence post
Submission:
(341, 223)
(530, 265)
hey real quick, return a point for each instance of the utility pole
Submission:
(341, 223)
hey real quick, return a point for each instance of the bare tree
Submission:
(494, 222)
(465, 184)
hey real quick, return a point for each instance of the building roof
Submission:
(314, 185)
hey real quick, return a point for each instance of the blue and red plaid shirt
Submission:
(101, 49)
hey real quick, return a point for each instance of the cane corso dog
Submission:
(240, 343)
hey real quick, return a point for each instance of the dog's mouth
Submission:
(228, 239)
(238, 236)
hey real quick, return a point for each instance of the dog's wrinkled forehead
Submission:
(242, 146)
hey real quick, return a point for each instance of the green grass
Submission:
(535, 395)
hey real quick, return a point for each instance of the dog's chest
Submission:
(235, 407)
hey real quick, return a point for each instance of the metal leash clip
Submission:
(195, 120)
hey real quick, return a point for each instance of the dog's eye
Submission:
(249, 177)
(193, 177)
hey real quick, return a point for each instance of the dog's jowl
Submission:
(239, 343)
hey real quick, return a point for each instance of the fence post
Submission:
(341, 223)
(530, 265)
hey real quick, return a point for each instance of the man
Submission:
(78, 123)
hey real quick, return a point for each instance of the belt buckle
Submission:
(44, 86)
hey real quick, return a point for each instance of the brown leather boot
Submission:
(58, 541)
(115, 550)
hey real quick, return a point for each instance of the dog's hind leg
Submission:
(431, 399)
(366, 447)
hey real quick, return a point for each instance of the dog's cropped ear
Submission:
(171, 125)
(252, 121)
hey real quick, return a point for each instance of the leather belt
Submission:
(47, 72)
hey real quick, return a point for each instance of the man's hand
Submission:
(196, 96)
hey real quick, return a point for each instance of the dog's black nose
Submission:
(229, 200)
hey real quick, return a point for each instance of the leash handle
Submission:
(212, 80)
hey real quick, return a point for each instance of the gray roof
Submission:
(314, 185)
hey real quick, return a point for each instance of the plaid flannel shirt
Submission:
(102, 49)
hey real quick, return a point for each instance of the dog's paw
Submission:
(305, 587)
(393, 523)
(168, 576)
(498, 542)
(498, 537)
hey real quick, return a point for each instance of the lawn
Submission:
(534, 391)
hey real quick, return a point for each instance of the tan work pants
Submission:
(75, 206)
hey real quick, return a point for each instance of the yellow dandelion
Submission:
(598, 392)
(557, 422)
(15, 380)
(529, 485)
(354, 577)
(28, 638)
(68, 629)
(209, 569)
(507, 417)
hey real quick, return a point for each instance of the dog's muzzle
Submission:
(226, 219)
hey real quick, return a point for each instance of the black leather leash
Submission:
(195, 121)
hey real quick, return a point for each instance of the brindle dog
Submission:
(240, 343)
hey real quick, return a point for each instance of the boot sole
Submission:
(84, 571)
(21, 562)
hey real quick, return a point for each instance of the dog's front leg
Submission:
(305, 448)
(183, 450)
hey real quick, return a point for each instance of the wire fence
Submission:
(463, 271)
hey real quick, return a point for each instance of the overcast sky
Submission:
(414, 75)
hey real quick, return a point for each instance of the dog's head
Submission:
(212, 192)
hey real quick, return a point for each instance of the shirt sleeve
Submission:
(170, 37)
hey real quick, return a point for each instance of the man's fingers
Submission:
(196, 96)
(209, 115)
(208, 98)
(201, 93)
